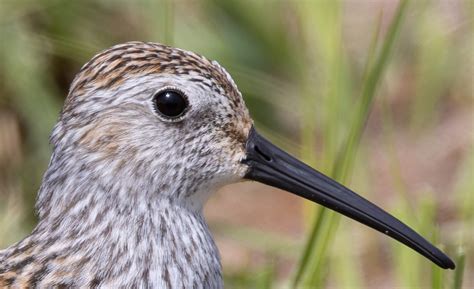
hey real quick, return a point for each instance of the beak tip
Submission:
(450, 264)
(443, 261)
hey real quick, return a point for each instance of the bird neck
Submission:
(120, 227)
(166, 246)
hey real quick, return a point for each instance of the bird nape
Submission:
(147, 133)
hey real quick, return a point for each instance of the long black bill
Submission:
(270, 165)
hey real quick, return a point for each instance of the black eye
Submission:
(170, 103)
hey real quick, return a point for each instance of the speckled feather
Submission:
(121, 201)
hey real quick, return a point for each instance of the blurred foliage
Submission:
(318, 78)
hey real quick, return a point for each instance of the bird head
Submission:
(162, 120)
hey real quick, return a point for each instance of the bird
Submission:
(147, 134)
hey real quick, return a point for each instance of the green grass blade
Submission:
(369, 88)
(437, 275)
(460, 266)
(307, 252)
(322, 237)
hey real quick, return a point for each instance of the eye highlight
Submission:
(170, 103)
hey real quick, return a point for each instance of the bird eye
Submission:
(170, 103)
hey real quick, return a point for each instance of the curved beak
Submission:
(270, 165)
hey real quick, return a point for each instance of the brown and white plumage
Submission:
(121, 201)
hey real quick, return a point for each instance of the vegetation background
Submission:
(378, 94)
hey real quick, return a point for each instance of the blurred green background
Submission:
(377, 94)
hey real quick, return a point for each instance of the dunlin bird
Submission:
(146, 134)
